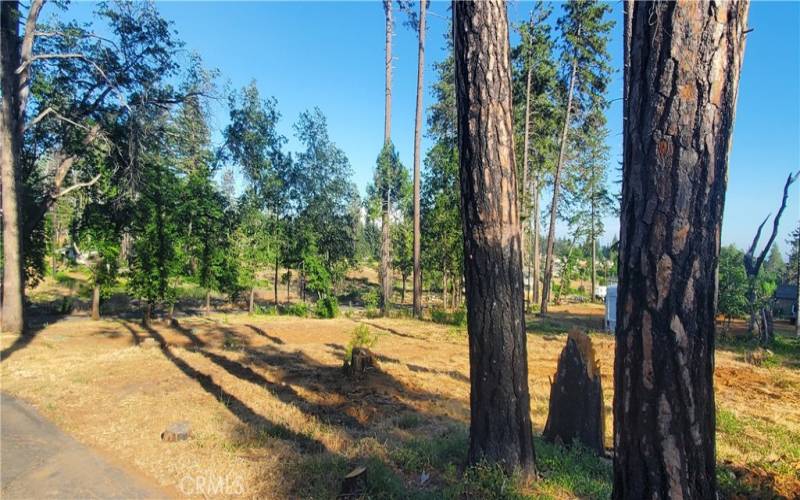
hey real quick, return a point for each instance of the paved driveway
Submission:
(37, 460)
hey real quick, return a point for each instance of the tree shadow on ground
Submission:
(388, 329)
(339, 351)
(37, 321)
(346, 399)
(371, 409)
(262, 333)
(237, 407)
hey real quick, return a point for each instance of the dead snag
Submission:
(576, 397)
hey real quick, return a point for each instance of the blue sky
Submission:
(330, 54)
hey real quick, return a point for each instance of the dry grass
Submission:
(272, 412)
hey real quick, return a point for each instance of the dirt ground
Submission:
(273, 416)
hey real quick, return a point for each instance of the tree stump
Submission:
(576, 409)
(360, 360)
(354, 484)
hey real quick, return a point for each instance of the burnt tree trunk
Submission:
(576, 409)
(13, 320)
(682, 71)
(417, 278)
(500, 424)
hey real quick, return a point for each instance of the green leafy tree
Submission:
(442, 240)
(253, 248)
(70, 88)
(253, 143)
(321, 193)
(97, 234)
(536, 125)
(585, 73)
(732, 301)
(587, 199)
(156, 254)
(389, 184)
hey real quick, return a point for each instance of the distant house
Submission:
(785, 301)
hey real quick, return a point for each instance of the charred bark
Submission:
(500, 425)
(682, 71)
(577, 412)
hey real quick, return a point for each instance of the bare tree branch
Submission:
(756, 266)
(78, 185)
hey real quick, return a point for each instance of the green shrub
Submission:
(456, 318)
(489, 481)
(328, 307)
(298, 309)
(371, 299)
(265, 310)
(66, 306)
(373, 312)
(363, 337)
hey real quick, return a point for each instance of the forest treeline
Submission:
(116, 166)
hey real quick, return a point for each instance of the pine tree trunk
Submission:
(13, 319)
(386, 282)
(148, 309)
(681, 97)
(403, 292)
(387, 117)
(208, 302)
(288, 285)
(444, 289)
(96, 302)
(500, 425)
(525, 148)
(252, 300)
(594, 251)
(537, 260)
(275, 283)
(417, 278)
(551, 231)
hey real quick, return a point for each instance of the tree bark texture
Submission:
(13, 320)
(551, 231)
(681, 84)
(500, 425)
(417, 278)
